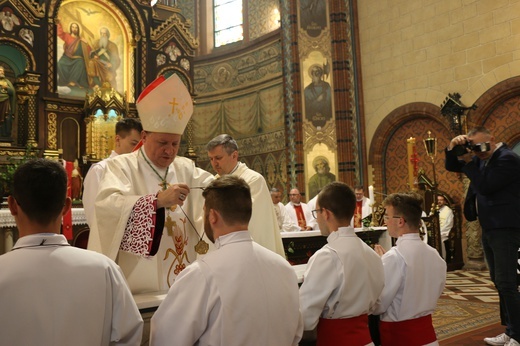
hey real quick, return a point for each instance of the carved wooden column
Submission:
(190, 151)
(28, 85)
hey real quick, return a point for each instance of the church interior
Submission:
(372, 91)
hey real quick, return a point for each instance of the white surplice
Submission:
(415, 275)
(239, 294)
(128, 192)
(91, 187)
(343, 279)
(54, 294)
(263, 224)
(284, 221)
(309, 220)
(446, 221)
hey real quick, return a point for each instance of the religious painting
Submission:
(91, 46)
(313, 16)
(317, 91)
(8, 105)
(320, 169)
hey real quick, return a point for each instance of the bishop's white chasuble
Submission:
(150, 245)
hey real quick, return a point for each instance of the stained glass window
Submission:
(228, 20)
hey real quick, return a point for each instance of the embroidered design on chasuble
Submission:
(142, 237)
(300, 216)
(180, 241)
(140, 227)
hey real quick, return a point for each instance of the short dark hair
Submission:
(126, 125)
(338, 198)
(231, 197)
(227, 142)
(408, 205)
(40, 188)
(359, 187)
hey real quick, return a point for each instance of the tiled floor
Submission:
(475, 337)
(472, 286)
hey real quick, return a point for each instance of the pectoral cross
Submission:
(164, 185)
(173, 103)
(169, 224)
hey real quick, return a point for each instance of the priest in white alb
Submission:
(223, 156)
(149, 205)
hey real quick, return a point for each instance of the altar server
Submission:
(363, 206)
(50, 292)
(128, 135)
(343, 279)
(149, 206)
(299, 211)
(285, 223)
(415, 275)
(223, 155)
(239, 294)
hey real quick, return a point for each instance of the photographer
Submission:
(494, 198)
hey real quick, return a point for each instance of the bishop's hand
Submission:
(174, 195)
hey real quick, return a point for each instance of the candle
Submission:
(371, 194)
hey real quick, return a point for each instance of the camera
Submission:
(462, 149)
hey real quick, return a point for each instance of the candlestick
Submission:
(371, 194)
(372, 204)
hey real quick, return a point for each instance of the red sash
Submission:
(414, 332)
(343, 331)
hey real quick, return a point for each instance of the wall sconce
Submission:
(454, 110)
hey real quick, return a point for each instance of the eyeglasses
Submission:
(294, 194)
(314, 212)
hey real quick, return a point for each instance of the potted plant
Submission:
(7, 171)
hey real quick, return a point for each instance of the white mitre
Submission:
(165, 106)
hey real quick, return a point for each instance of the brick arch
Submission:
(388, 150)
(498, 109)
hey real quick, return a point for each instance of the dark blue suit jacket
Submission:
(496, 188)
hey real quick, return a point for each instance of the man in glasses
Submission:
(239, 294)
(299, 211)
(50, 292)
(343, 279)
(494, 199)
(415, 275)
